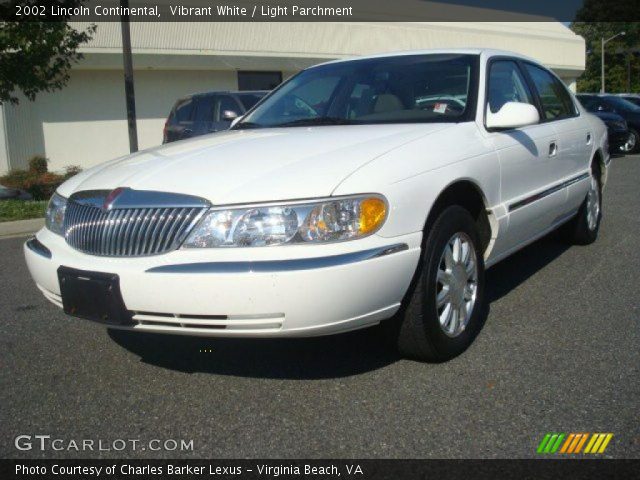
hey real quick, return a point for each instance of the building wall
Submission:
(85, 123)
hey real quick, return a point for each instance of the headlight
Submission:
(54, 218)
(329, 220)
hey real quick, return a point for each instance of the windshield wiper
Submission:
(246, 125)
(316, 121)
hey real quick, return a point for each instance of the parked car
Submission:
(344, 199)
(631, 97)
(203, 113)
(7, 193)
(613, 104)
(617, 130)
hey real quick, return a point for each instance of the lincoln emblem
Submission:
(108, 201)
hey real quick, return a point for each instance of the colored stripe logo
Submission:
(573, 443)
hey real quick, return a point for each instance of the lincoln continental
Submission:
(360, 192)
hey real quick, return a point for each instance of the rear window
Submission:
(182, 111)
(248, 100)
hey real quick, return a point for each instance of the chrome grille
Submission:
(128, 232)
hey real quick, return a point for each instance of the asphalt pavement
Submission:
(559, 353)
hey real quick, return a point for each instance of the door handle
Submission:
(553, 149)
(588, 138)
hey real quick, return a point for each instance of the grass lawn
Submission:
(21, 209)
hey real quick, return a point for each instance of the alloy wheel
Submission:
(593, 204)
(456, 284)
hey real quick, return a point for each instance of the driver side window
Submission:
(506, 84)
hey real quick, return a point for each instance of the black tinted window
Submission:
(250, 99)
(226, 103)
(259, 80)
(556, 102)
(182, 111)
(591, 103)
(204, 109)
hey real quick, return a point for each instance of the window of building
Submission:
(259, 80)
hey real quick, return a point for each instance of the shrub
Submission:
(38, 181)
(38, 165)
(41, 187)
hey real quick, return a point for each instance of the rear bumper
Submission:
(312, 291)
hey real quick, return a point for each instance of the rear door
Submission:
(574, 137)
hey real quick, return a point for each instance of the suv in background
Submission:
(203, 113)
(596, 102)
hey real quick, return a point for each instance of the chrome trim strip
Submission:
(547, 192)
(36, 246)
(272, 266)
(129, 198)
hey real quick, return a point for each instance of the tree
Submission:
(622, 55)
(36, 56)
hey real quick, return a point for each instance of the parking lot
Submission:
(559, 353)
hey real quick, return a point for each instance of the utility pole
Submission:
(602, 44)
(128, 77)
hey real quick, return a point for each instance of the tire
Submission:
(633, 144)
(420, 334)
(584, 228)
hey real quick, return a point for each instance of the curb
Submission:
(20, 227)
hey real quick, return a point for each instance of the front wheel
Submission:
(445, 309)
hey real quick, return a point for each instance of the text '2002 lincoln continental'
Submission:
(359, 192)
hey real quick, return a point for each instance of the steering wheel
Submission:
(304, 106)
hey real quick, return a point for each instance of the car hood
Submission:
(239, 166)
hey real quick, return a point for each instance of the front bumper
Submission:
(617, 139)
(313, 290)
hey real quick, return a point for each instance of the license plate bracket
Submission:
(93, 296)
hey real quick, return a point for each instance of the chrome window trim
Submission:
(273, 266)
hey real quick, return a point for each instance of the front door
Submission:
(528, 162)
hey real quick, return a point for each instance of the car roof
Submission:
(485, 52)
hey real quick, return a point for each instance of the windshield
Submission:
(401, 89)
(622, 104)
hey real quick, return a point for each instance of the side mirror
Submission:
(513, 115)
(229, 115)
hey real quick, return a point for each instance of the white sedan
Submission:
(359, 191)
